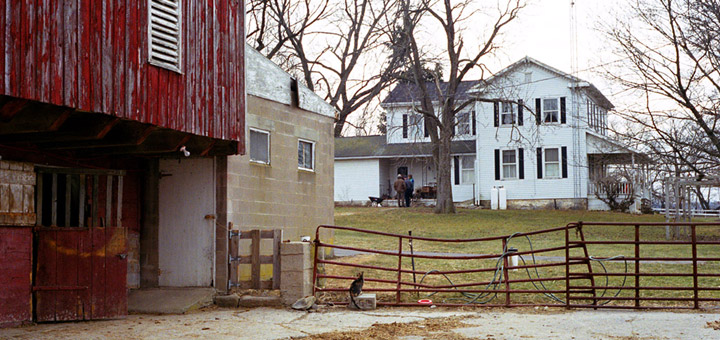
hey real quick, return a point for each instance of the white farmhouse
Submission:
(540, 138)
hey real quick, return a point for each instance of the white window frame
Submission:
(158, 54)
(464, 123)
(504, 106)
(557, 112)
(265, 132)
(463, 169)
(312, 152)
(503, 164)
(546, 162)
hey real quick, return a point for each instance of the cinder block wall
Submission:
(279, 195)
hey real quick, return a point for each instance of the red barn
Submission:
(101, 102)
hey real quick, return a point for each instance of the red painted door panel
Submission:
(80, 265)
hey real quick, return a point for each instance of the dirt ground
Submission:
(388, 323)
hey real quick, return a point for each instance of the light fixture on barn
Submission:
(185, 151)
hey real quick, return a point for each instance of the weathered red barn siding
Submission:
(15, 266)
(93, 55)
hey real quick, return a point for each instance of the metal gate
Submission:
(584, 265)
(80, 245)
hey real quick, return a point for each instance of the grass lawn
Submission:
(476, 223)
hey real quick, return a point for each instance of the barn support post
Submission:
(222, 277)
(150, 226)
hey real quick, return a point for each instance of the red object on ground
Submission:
(425, 302)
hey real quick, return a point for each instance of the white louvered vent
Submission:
(164, 29)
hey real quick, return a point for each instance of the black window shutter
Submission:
(539, 163)
(521, 163)
(538, 111)
(521, 108)
(405, 126)
(474, 128)
(425, 125)
(456, 159)
(497, 164)
(564, 162)
(563, 115)
(496, 108)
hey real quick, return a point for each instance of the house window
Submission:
(509, 164)
(259, 146)
(552, 163)
(463, 123)
(415, 122)
(467, 170)
(551, 110)
(164, 33)
(405, 126)
(306, 153)
(508, 114)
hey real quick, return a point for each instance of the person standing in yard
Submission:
(399, 186)
(409, 188)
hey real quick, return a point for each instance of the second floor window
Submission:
(551, 110)
(463, 123)
(508, 114)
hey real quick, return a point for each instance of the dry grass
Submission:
(437, 328)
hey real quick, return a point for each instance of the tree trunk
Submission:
(339, 124)
(444, 203)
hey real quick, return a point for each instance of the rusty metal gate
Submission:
(584, 265)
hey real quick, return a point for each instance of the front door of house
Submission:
(80, 246)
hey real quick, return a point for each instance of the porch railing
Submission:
(625, 189)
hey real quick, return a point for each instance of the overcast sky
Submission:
(542, 31)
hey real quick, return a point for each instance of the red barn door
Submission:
(80, 246)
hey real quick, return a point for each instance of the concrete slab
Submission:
(169, 300)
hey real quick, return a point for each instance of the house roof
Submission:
(579, 83)
(409, 92)
(377, 147)
(613, 149)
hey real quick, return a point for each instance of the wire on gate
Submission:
(485, 297)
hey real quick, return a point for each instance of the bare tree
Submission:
(344, 51)
(670, 53)
(454, 17)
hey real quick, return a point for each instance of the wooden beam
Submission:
(11, 108)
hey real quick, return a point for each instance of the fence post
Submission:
(567, 266)
(696, 303)
(255, 258)
(637, 266)
(277, 239)
(399, 279)
(506, 274)
(233, 253)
